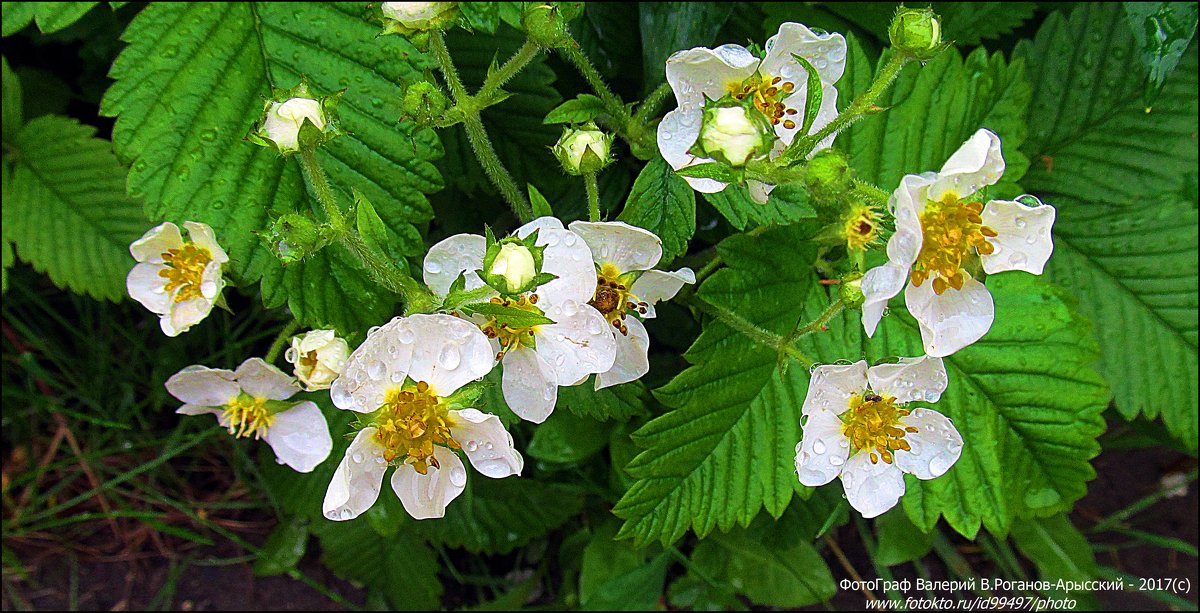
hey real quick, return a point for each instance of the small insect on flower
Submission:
(545, 334)
(941, 231)
(627, 289)
(179, 280)
(318, 357)
(251, 402)
(860, 427)
(406, 381)
(774, 87)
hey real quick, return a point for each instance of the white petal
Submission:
(426, 496)
(633, 356)
(149, 288)
(155, 242)
(210, 387)
(195, 409)
(912, 379)
(882, 283)
(953, 320)
(977, 163)
(1023, 241)
(262, 380)
(379, 363)
(831, 385)
(541, 223)
(529, 384)
(487, 444)
(169, 328)
(676, 135)
(826, 52)
(620, 244)
(822, 453)
(936, 445)
(656, 285)
(454, 255)
(202, 235)
(568, 257)
(184, 315)
(879, 285)
(578, 344)
(357, 480)
(300, 437)
(449, 352)
(872, 488)
(211, 281)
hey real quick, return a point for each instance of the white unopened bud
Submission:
(318, 356)
(515, 265)
(583, 150)
(283, 120)
(730, 134)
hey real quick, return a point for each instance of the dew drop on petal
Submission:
(357, 457)
(487, 446)
(471, 446)
(570, 239)
(1020, 222)
(450, 357)
(932, 396)
(405, 335)
(836, 460)
(819, 447)
(375, 370)
(570, 308)
(433, 268)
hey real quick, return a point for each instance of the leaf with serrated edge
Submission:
(664, 204)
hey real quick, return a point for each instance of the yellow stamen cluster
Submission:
(873, 423)
(185, 270)
(952, 229)
(509, 336)
(862, 227)
(410, 423)
(247, 417)
(613, 298)
(767, 94)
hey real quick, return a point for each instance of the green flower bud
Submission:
(850, 290)
(424, 102)
(916, 32)
(583, 150)
(412, 18)
(734, 134)
(294, 237)
(827, 175)
(546, 24)
(296, 119)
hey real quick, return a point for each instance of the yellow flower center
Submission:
(613, 298)
(248, 417)
(410, 423)
(873, 424)
(862, 227)
(767, 94)
(185, 270)
(510, 337)
(952, 230)
(308, 361)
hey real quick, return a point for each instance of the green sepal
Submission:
(541, 206)
(309, 136)
(370, 226)
(466, 397)
(712, 170)
(498, 282)
(509, 316)
(815, 94)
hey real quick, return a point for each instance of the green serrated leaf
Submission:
(481, 16)
(65, 208)
(370, 227)
(771, 572)
(787, 205)
(50, 16)
(1060, 552)
(619, 402)
(541, 206)
(965, 23)
(189, 161)
(711, 170)
(13, 118)
(508, 316)
(663, 203)
(615, 576)
(899, 541)
(667, 27)
(283, 548)
(16, 15)
(1163, 31)
(584, 108)
(402, 568)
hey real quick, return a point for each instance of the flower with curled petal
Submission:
(251, 402)
(537, 359)
(179, 280)
(403, 381)
(777, 84)
(940, 232)
(859, 427)
(318, 357)
(626, 289)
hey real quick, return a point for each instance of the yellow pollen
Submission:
(862, 227)
(247, 417)
(873, 424)
(767, 94)
(614, 299)
(510, 337)
(410, 423)
(952, 230)
(185, 270)
(309, 360)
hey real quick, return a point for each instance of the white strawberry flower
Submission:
(538, 359)
(402, 380)
(777, 85)
(282, 121)
(251, 402)
(318, 357)
(627, 288)
(940, 229)
(179, 280)
(858, 427)
(410, 18)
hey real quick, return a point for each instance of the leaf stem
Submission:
(508, 70)
(277, 345)
(320, 184)
(593, 195)
(817, 324)
(650, 104)
(624, 123)
(752, 330)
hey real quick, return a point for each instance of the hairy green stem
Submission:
(280, 340)
(623, 122)
(818, 323)
(649, 106)
(593, 195)
(508, 70)
(869, 191)
(751, 330)
(320, 184)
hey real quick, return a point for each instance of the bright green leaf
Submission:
(787, 204)
(668, 27)
(619, 402)
(1059, 551)
(578, 110)
(13, 119)
(769, 571)
(899, 541)
(565, 438)
(664, 204)
(1163, 31)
